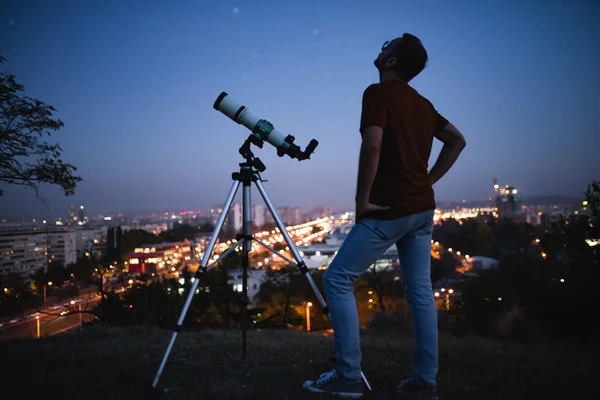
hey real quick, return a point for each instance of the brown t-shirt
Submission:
(409, 123)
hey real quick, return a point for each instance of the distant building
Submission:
(25, 251)
(534, 219)
(17, 226)
(255, 279)
(290, 215)
(269, 217)
(475, 265)
(320, 255)
(76, 215)
(81, 214)
(545, 220)
(22, 252)
(215, 212)
(319, 212)
(73, 217)
(155, 228)
(160, 257)
(61, 248)
(509, 202)
(85, 238)
(258, 215)
(235, 218)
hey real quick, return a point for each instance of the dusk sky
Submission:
(134, 84)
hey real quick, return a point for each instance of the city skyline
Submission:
(560, 199)
(556, 201)
(136, 99)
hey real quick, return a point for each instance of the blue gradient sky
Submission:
(135, 84)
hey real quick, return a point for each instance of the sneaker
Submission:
(417, 389)
(331, 383)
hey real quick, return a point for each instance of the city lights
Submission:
(318, 240)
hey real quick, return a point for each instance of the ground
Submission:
(111, 363)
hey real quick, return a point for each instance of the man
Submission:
(394, 206)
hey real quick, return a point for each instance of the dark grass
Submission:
(105, 363)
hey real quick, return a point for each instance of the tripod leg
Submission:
(247, 231)
(201, 269)
(275, 252)
(300, 262)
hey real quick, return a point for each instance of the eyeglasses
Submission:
(386, 44)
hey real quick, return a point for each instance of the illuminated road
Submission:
(49, 324)
(51, 321)
(301, 234)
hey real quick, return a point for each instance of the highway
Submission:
(51, 322)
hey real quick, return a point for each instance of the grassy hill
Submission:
(105, 363)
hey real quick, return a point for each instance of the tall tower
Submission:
(509, 203)
(258, 215)
(496, 187)
(81, 214)
(73, 215)
(235, 217)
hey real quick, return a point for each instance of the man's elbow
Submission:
(459, 141)
(370, 146)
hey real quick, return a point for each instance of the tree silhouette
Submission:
(26, 159)
(57, 273)
(16, 296)
(179, 233)
(119, 245)
(378, 275)
(109, 251)
(282, 296)
(592, 196)
(100, 270)
(83, 270)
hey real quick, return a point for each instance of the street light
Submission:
(48, 284)
(78, 309)
(308, 306)
(37, 318)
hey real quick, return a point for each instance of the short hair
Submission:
(411, 57)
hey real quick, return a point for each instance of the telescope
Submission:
(262, 130)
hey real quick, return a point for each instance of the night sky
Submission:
(134, 83)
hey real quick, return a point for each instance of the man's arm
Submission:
(454, 143)
(368, 162)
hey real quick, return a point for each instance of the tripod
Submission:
(249, 173)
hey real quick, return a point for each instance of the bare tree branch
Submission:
(25, 158)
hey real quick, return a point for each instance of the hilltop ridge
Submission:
(104, 362)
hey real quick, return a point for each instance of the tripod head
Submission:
(246, 152)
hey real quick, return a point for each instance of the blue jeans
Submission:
(365, 243)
